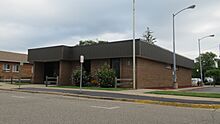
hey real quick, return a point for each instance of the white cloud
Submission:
(35, 23)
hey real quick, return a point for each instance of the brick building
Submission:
(153, 63)
(11, 68)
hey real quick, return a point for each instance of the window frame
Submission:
(6, 67)
(14, 69)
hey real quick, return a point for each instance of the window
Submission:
(15, 68)
(116, 66)
(6, 67)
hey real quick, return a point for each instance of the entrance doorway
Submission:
(51, 69)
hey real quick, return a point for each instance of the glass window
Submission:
(6, 67)
(116, 66)
(15, 68)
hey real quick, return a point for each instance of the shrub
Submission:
(76, 77)
(106, 76)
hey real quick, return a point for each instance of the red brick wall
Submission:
(26, 70)
(126, 68)
(184, 77)
(65, 73)
(38, 77)
(151, 74)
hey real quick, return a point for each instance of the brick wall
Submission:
(65, 73)
(151, 74)
(184, 77)
(26, 70)
(126, 68)
(38, 77)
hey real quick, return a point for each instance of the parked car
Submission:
(209, 80)
(196, 81)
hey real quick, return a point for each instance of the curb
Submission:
(176, 104)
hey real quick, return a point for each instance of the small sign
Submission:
(21, 63)
(81, 59)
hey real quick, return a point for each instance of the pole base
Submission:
(175, 85)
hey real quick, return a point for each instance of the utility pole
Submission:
(200, 58)
(175, 84)
(20, 69)
(134, 54)
(200, 61)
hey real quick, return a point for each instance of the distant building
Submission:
(11, 68)
(153, 65)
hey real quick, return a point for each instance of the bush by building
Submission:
(106, 76)
(85, 77)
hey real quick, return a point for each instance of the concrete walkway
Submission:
(125, 94)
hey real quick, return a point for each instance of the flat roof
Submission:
(117, 49)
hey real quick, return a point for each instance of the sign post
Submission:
(81, 75)
(19, 84)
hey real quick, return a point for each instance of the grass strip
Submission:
(186, 93)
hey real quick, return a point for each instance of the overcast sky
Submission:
(36, 23)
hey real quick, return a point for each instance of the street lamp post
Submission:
(134, 59)
(175, 84)
(200, 58)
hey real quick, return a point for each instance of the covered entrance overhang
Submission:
(43, 69)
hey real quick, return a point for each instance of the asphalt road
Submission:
(121, 96)
(28, 108)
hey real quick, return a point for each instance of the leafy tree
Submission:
(86, 42)
(215, 73)
(208, 63)
(196, 71)
(218, 62)
(89, 42)
(148, 37)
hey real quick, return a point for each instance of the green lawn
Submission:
(185, 93)
(92, 88)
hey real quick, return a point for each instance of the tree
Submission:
(215, 73)
(148, 37)
(86, 42)
(196, 72)
(89, 42)
(208, 63)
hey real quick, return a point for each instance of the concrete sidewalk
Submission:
(139, 94)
